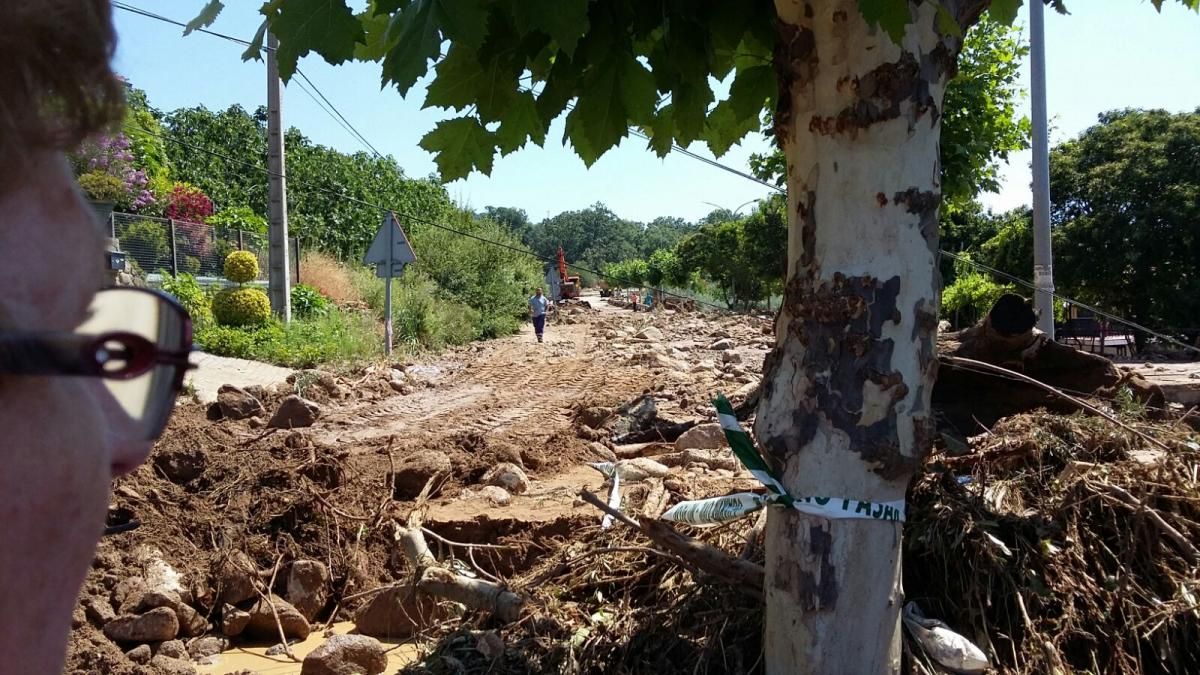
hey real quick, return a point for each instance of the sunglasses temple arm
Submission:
(45, 354)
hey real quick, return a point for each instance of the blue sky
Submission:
(1108, 54)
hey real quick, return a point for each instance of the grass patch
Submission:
(330, 277)
(337, 337)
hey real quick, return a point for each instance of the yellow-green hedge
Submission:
(241, 307)
(241, 266)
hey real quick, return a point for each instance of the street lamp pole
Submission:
(1043, 264)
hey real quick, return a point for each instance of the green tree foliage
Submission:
(318, 176)
(1126, 213)
(980, 122)
(971, 295)
(592, 237)
(662, 233)
(627, 273)
(143, 128)
(744, 259)
(516, 220)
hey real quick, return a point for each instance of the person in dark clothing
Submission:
(538, 305)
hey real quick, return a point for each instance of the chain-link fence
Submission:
(154, 246)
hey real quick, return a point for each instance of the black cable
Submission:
(382, 209)
(338, 113)
(159, 17)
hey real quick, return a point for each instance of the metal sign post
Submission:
(389, 253)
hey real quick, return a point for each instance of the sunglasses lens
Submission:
(144, 325)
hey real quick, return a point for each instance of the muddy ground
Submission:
(1059, 542)
(216, 489)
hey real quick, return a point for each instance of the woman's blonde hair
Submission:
(57, 86)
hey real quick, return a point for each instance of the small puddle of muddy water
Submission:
(255, 659)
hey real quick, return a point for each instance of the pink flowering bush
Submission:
(111, 155)
(189, 206)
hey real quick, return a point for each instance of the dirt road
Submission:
(215, 491)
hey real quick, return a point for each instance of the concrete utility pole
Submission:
(1043, 261)
(279, 267)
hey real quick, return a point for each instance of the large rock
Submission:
(399, 612)
(98, 610)
(508, 476)
(308, 587)
(731, 356)
(157, 625)
(237, 404)
(412, 475)
(173, 649)
(295, 412)
(424, 376)
(140, 654)
(721, 345)
(165, 665)
(191, 622)
(206, 647)
(263, 625)
(128, 593)
(496, 495)
(702, 437)
(650, 333)
(236, 579)
(346, 655)
(234, 621)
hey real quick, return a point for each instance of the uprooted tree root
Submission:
(1068, 550)
(609, 603)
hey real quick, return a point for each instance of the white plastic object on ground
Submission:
(951, 650)
(614, 501)
(717, 510)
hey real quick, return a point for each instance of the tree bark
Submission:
(845, 402)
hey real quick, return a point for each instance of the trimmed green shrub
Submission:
(241, 266)
(241, 307)
(308, 302)
(192, 296)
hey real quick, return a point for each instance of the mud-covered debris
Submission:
(637, 417)
(595, 417)
(346, 655)
(236, 403)
(508, 476)
(721, 345)
(128, 592)
(402, 387)
(157, 625)
(295, 412)
(411, 476)
(602, 451)
(262, 620)
(702, 437)
(181, 466)
(308, 587)
(731, 356)
(490, 645)
(399, 611)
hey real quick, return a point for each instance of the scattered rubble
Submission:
(1028, 531)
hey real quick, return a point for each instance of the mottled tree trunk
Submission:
(845, 409)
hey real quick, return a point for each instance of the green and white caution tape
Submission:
(723, 509)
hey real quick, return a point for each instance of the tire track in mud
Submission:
(512, 387)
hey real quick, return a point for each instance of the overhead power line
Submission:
(341, 119)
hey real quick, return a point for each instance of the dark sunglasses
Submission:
(137, 340)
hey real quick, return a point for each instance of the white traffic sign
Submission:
(390, 251)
